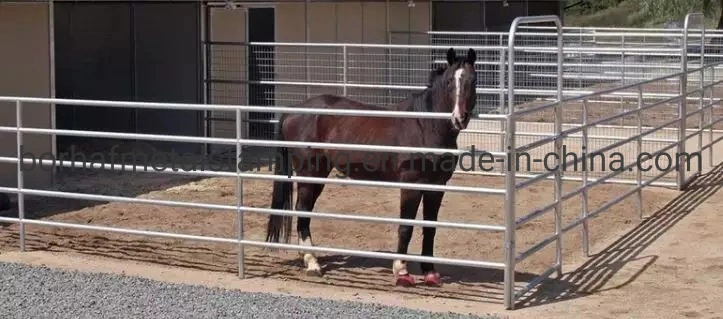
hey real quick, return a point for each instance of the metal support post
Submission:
(239, 195)
(585, 207)
(21, 196)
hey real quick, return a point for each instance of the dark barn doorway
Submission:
(261, 28)
(128, 51)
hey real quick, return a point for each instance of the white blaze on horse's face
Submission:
(458, 115)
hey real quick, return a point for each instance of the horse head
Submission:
(458, 86)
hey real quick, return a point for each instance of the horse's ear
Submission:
(451, 56)
(471, 56)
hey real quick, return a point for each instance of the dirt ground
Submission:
(669, 266)
(590, 287)
(352, 272)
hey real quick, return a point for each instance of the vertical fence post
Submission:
(501, 78)
(53, 88)
(503, 124)
(560, 157)
(710, 114)
(580, 69)
(306, 47)
(510, 189)
(239, 195)
(345, 69)
(585, 206)
(510, 192)
(701, 86)
(389, 50)
(21, 196)
(638, 171)
(682, 113)
(622, 71)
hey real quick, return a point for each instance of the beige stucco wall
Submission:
(346, 22)
(342, 22)
(24, 71)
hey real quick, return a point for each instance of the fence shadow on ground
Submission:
(370, 274)
(460, 283)
(39, 207)
(594, 275)
(117, 183)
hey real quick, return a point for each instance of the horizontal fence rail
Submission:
(539, 92)
(21, 191)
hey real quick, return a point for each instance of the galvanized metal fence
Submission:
(695, 99)
(575, 122)
(648, 45)
(386, 73)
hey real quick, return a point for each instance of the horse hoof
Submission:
(405, 280)
(313, 272)
(432, 279)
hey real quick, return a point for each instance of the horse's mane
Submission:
(421, 101)
(434, 74)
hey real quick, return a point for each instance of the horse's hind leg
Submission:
(307, 196)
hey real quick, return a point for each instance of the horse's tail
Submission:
(280, 226)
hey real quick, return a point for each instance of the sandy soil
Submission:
(669, 266)
(620, 279)
(352, 272)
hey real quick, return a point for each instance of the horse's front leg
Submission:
(409, 203)
(431, 201)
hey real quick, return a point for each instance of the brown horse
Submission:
(451, 89)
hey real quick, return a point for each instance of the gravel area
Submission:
(40, 292)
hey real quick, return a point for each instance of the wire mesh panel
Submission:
(594, 60)
(380, 74)
(376, 74)
(480, 135)
(488, 64)
(591, 57)
(226, 71)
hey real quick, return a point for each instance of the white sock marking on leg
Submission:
(309, 259)
(399, 268)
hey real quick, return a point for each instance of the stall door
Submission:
(167, 47)
(93, 61)
(129, 52)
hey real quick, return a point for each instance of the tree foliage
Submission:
(645, 13)
(711, 7)
(661, 11)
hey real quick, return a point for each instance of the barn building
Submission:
(190, 52)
